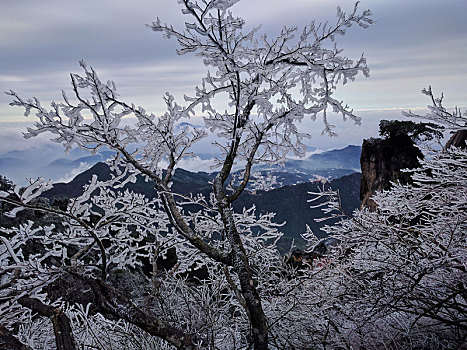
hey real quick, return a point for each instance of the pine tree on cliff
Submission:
(383, 159)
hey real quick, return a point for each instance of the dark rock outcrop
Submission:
(382, 161)
(458, 139)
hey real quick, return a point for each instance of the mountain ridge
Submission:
(296, 212)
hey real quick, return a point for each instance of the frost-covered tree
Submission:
(271, 84)
(399, 275)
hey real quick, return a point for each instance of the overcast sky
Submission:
(413, 44)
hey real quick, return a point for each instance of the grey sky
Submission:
(413, 44)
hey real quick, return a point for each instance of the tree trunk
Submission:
(9, 342)
(111, 301)
(61, 324)
(242, 267)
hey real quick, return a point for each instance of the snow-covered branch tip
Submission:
(454, 119)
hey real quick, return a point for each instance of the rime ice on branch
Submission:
(271, 84)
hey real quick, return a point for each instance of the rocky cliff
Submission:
(382, 161)
(458, 139)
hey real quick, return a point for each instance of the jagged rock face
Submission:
(458, 139)
(382, 161)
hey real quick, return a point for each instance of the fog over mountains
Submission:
(43, 162)
(283, 189)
